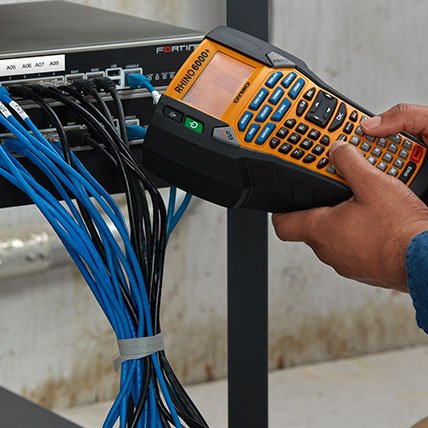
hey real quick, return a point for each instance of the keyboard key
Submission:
(366, 146)
(294, 138)
(285, 148)
(387, 157)
(355, 140)
(382, 166)
(353, 116)
(381, 142)
(274, 142)
(289, 123)
(297, 154)
(359, 131)
(342, 137)
(347, 129)
(306, 144)
(314, 134)
(265, 133)
(258, 99)
(251, 133)
(245, 120)
(417, 154)
(281, 110)
(273, 79)
(393, 171)
(393, 148)
(302, 106)
(377, 151)
(276, 96)
(322, 163)
(407, 144)
(263, 113)
(372, 160)
(408, 172)
(309, 94)
(370, 138)
(339, 118)
(331, 169)
(309, 158)
(282, 133)
(322, 109)
(396, 138)
(325, 140)
(296, 89)
(288, 79)
(318, 150)
(302, 128)
(404, 154)
(398, 163)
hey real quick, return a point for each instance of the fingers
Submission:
(298, 226)
(354, 168)
(402, 117)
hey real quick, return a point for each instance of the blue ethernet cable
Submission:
(83, 188)
(154, 365)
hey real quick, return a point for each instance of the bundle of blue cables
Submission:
(150, 395)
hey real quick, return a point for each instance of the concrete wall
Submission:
(55, 345)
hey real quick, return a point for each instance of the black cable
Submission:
(103, 135)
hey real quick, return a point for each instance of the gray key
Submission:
(370, 138)
(403, 154)
(376, 152)
(393, 171)
(398, 163)
(407, 144)
(393, 148)
(372, 160)
(387, 157)
(381, 142)
(382, 166)
(355, 140)
(331, 169)
(395, 137)
(363, 118)
(365, 146)
(359, 131)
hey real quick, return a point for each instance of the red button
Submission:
(417, 154)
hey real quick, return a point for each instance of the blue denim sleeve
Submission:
(417, 277)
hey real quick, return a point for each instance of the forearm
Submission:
(417, 277)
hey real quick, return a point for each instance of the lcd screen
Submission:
(218, 84)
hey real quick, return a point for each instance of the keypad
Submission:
(293, 118)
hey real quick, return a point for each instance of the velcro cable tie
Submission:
(138, 347)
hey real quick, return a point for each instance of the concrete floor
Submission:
(387, 390)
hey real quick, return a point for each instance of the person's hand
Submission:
(366, 237)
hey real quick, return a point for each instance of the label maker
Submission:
(245, 124)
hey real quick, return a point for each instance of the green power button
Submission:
(194, 125)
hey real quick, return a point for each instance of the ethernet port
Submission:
(73, 77)
(95, 74)
(129, 71)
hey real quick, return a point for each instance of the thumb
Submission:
(402, 117)
(353, 167)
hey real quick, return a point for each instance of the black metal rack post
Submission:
(247, 242)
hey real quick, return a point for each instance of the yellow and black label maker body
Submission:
(245, 124)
